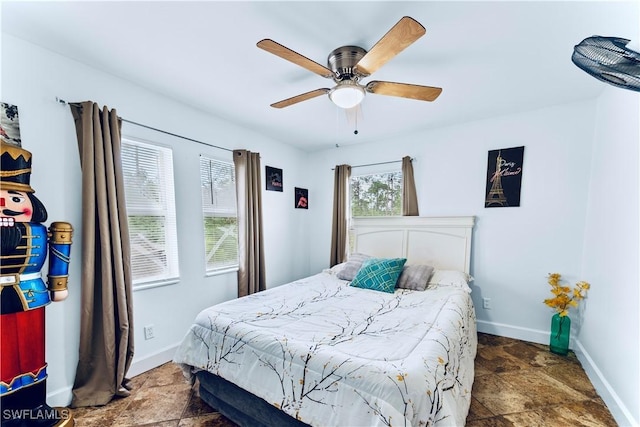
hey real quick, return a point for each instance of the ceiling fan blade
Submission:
(404, 90)
(299, 98)
(406, 31)
(292, 56)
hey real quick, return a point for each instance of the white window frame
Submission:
(227, 208)
(165, 209)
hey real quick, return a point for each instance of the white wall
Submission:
(514, 248)
(610, 336)
(31, 79)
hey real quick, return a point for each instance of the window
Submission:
(218, 185)
(151, 211)
(378, 194)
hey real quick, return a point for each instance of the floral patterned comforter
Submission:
(330, 354)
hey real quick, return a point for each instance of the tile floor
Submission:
(523, 384)
(517, 384)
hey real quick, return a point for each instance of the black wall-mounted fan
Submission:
(609, 60)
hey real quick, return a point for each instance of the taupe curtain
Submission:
(106, 318)
(251, 274)
(409, 196)
(340, 229)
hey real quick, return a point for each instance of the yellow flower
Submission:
(564, 296)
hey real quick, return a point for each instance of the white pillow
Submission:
(335, 269)
(458, 279)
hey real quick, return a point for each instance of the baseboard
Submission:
(62, 397)
(617, 408)
(139, 366)
(510, 331)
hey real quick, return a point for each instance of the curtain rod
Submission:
(376, 164)
(62, 101)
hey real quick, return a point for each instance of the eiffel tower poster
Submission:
(504, 177)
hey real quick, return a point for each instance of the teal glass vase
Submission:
(560, 333)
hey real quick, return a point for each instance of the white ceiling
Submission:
(490, 58)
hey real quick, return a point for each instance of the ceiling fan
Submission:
(348, 64)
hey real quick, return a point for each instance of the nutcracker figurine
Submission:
(24, 295)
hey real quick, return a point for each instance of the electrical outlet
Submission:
(486, 303)
(148, 332)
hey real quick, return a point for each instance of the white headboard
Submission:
(442, 242)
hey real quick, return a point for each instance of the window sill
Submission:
(149, 285)
(221, 271)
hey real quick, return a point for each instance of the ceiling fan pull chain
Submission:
(355, 132)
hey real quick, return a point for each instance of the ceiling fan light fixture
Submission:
(347, 94)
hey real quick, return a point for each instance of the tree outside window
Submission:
(378, 194)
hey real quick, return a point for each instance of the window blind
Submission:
(218, 186)
(151, 211)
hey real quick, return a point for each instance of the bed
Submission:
(320, 352)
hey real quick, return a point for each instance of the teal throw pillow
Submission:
(379, 274)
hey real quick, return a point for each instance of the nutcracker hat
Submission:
(15, 168)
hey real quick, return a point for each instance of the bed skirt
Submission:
(227, 398)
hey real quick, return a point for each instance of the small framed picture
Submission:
(504, 177)
(301, 198)
(274, 178)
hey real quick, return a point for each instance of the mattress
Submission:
(327, 353)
